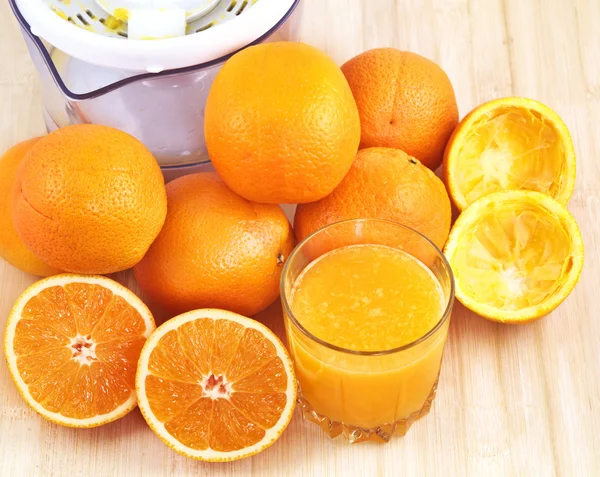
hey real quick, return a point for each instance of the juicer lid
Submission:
(153, 56)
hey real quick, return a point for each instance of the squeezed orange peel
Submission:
(510, 144)
(516, 255)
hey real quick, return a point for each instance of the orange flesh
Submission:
(77, 348)
(216, 384)
(367, 298)
(510, 148)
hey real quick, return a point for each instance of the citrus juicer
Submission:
(144, 66)
(157, 19)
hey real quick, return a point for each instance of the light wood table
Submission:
(512, 400)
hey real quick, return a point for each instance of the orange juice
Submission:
(364, 302)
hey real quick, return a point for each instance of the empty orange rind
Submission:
(509, 144)
(516, 255)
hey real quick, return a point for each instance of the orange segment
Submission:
(262, 408)
(121, 356)
(34, 366)
(169, 361)
(215, 386)
(79, 400)
(193, 433)
(72, 344)
(87, 304)
(196, 338)
(51, 307)
(254, 352)
(231, 430)
(510, 144)
(165, 396)
(224, 349)
(50, 389)
(112, 391)
(120, 321)
(35, 335)
(271, 377)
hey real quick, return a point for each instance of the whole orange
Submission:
(12, 248)
(388, 184)
(405, 101)
(216, 250)
(89, 199)
(281, 124)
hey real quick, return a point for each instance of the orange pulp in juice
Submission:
(367, 298)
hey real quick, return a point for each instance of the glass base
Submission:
(354, 434)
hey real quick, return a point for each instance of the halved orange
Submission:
(72, 343)
(216, 386)
(516, 255)
(509, 144)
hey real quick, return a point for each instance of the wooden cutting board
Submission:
(512, 400)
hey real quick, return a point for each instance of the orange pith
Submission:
(72, 348)
(216, 387)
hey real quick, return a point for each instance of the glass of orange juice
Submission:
(367, 307)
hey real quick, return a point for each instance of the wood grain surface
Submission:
(512, 401)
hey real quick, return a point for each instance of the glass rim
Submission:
(443, 318)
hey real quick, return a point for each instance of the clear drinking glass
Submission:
(366, 395)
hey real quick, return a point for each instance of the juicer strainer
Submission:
(154, 89)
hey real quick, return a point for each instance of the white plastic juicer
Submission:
(144, 66)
